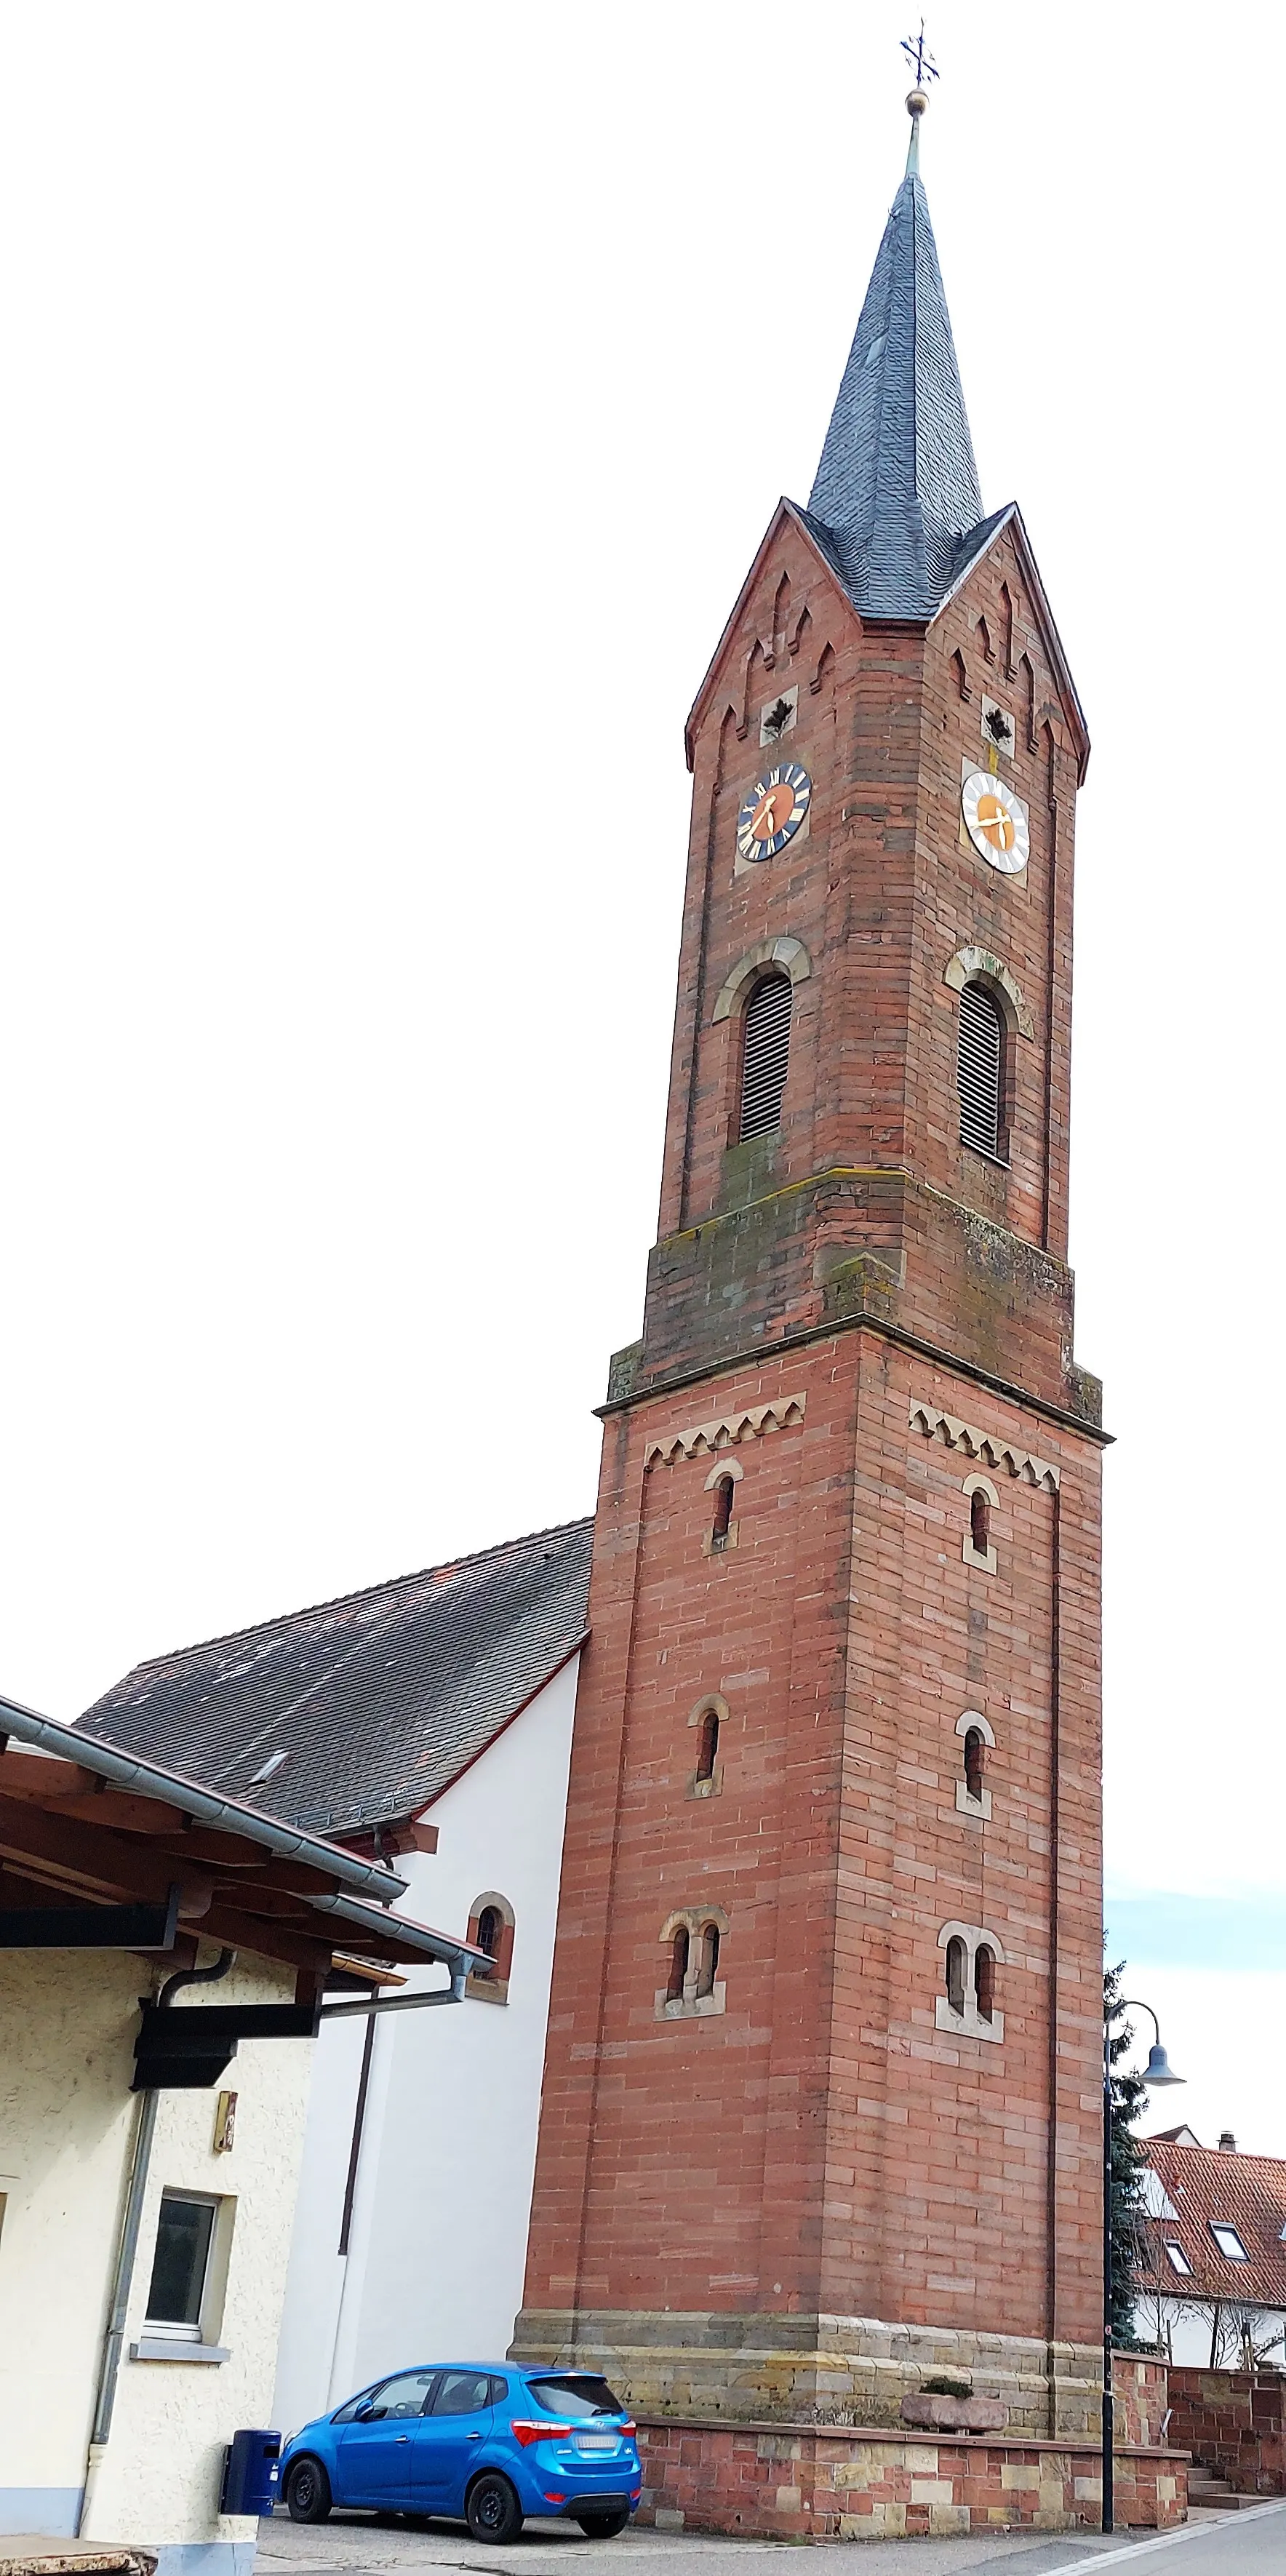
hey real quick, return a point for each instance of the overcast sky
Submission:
(385, 435)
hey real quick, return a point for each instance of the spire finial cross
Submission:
(920, 58)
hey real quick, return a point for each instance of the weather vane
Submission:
(920, 58)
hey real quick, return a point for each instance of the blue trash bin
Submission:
(250, 2473)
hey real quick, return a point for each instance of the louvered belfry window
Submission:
(981, 1048)
(765, 1055)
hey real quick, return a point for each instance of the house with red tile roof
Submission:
(1212, 2258)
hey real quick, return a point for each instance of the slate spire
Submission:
(897, 487)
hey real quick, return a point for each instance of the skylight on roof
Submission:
(1228, 2242)
(1178, 2259)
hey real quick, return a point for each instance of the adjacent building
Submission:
(427, 1721)
(1212, 2253)
(167, 1956)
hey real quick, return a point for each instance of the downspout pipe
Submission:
(123, 2278)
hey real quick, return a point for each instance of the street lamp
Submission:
(1158, 2071)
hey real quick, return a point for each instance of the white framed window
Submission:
(1178, 2259)
(181, 2265)
(1228, 2242)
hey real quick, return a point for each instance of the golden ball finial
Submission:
(916, 102)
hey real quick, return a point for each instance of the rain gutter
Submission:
(148, 1780)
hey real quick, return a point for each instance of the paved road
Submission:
(1250, 2544)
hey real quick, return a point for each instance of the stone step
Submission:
(1217, 2492)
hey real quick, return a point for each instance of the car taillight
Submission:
(529, 2433)
(627, 2427)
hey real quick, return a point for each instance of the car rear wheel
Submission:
(308, 2496)
(492, 2510)
(602, 2526)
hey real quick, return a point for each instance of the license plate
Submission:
(596, 2441)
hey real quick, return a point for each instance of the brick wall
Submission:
(810, 2482)
(1234, 2423)
(822, 2147)
(811, 2193)
(1142, 2400)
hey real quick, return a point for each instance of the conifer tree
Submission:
(1127, 2093)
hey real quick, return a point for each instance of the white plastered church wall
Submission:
(438, 2237)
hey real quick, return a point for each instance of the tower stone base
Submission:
(727, 2368)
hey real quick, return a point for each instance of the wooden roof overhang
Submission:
(100, 1849)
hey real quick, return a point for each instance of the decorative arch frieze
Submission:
(969, 964)
(747, 1422)
(955, 1434)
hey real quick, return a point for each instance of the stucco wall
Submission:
(439, 2235)
(67, 2121)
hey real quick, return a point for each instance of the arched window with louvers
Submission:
(980, 1072)
(765, 1055)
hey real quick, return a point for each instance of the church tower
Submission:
(822, 2092)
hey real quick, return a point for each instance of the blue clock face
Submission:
(773, 811)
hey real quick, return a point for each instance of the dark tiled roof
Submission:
(378, 1700)
(1206, 2184)
(897, 487)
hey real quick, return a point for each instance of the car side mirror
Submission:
(363, 2413)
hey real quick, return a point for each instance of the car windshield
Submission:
(576, 2395)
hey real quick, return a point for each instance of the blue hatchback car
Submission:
(477, 2441)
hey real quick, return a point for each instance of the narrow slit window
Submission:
(979, 1071)
(765, 1054)
(957, 1969)
(490, 1927)
(723, 1494)
(979, 1522)
(678, 1966)
(709, 1968)
(974, 1757)
(709, 1745)
(984, 1978)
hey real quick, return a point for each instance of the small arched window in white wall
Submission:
(967, 1999)
(491, 1928)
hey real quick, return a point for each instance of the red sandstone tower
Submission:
(821, 2107)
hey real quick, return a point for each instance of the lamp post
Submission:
(1157, 2071)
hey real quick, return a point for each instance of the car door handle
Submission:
(475, 2437)
(403, 2437)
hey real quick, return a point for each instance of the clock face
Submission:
(996, 822)
(773, 811)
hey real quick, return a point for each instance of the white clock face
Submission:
(996, 822)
